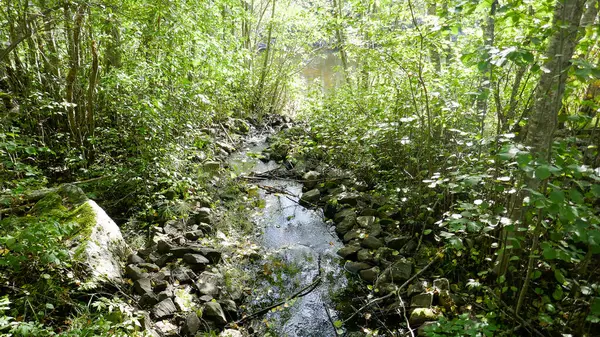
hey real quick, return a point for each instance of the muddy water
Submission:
(299, 248)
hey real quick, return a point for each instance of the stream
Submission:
(299, 248)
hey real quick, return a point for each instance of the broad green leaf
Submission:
(542, 172)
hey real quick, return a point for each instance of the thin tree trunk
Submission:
(547, 104)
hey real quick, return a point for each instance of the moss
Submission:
(83, 219)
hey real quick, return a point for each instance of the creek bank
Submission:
(380, 253)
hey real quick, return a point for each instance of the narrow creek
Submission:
(299, 251)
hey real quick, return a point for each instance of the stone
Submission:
(364, 255)
(369, 275)
(211, 166)
(182, 274)
(344, 213)
(163, 246)
(348, 252)
(310, 197)
(164, 309)
(191, 324)
(311, 179)
(375, 230)
(184, 299)
(160, 285)
(134, 259)
(417, 287)
(421, 315)
(345, 226)
(194, 235)
(202, 215)
(204, 227)
(230, 333)
(143, 286)
(365, 221)
(355, 267)
(424, 300)
(164, 259)
(352, 235)
(205, 298)
(409, 248)
(209, 283)
(161, 276)
(148, 300)
(226, 146)
(134, 272)
(348, 198)
(441, 284)
(397, 243)
(195, 260)
(229, 307)
(399, 271)
(167, 293)
(151, 267)
(446, 300)
(167, 329)
(213, 255)
(372, 243)
(213, 311)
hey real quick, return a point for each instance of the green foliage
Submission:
(462, 326)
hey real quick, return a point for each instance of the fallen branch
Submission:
(301, 293)
(438, 255)
(330, 320)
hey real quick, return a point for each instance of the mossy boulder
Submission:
(94, 239)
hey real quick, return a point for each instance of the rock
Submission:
(230, 333)
(397, 243)
(397, 272)
(191, 324)
(330, 210)
(441, 284)
(369, 275)
(424, 326)
(202, 215)
(184, 299)
(311, 179)
(134, 272)
(182, 274)
(345, 226)
(355, 267)
(204, 227)
(351, 235)
(167, 293)
(226, 146)
(375, 230)
(409, 248)
(151, 267)
(164, 247)
(417, 287)
(209, 283)
(148, 300)
(229, 307)
(213, 255)
(163, 260)
(242, 126)
(173, 227)
(195, 260)
(194, 235)
(134, 259)
(372, 243)
(344, 213)
(167, 329)
(211, 166)
(310, 197)
(160, 285)
(205, 298)
(421, 315)
(164, 309)
(424, 300)
(213, 311)
(348, 198)
(364, 255)
(446, 300)
(143, 286)
(348, 252)
(365, 221)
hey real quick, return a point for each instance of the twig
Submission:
(227, 134)
(404, 314)
(438, 255)
(330, 320)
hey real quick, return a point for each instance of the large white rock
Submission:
(105, 247)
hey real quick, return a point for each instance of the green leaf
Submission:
(559, 276)
(542, 172)
(596, 190)
(557, 196)
(338, 324)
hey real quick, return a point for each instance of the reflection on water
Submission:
(324, 70)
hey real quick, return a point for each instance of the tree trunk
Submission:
(544, 115)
